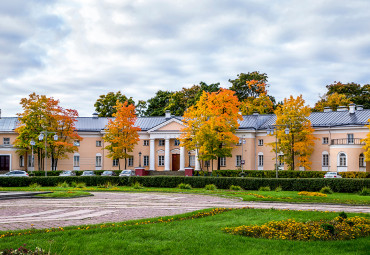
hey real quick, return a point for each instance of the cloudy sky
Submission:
(76, 50)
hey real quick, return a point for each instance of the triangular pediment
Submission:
(172, 124)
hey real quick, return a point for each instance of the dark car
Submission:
(108, 173)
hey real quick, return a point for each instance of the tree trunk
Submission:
(293, 151)
(125, 160)
(119, 165)
(218, 163)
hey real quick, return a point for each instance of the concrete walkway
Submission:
(106, 207)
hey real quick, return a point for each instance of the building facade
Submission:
(339, 146)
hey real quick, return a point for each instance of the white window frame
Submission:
(146, 142)
(325, 159)
(146, 160)
(342, 159)
(115, 162)
(223, 161)
(98, 161)
(325, 140)
(76, 160)
(260, 160)
(238, 160)
(192, 160)
(160, 160)
(361, 160)
(260, 142)
(130, 161)
(98, 143)
(29, 161)
(161, 142)
(76, 143)
(6, 140)
(21, 161)
(177, 142)
(350, 138)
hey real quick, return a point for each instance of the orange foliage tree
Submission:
(121, 133)
(367, 144)
(333, 101)
(260, 103)
(298, 144)
(210, 125)
(41, 113)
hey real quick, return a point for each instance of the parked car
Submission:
(108, 173)
(88, 173)
(127, 173)
(332, 175)
(67, 173)
(15, 173)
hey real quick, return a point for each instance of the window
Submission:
(161, 142)
(76, 160)
(177, 142)
(98, 143)
(207, 163)
(115, 162)
(192, 160)
(98, 161)
(361, 160)
(350, 138)
(6, 141)
(146, 160)
(260, 160)
(238, 160)
(76, 143)
(21, 161)
(130, 161)
(281, 160)
(342, 159)
(223, 161)
(146, 142)
(160, 160)
(325, 159)
(29, 161)
(260, 142)
(325, 140)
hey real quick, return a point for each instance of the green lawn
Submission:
(251, 195)
(65, 194)
(191, 236)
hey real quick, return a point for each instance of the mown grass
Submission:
(192, 236)
(251, 195)
(65, 194)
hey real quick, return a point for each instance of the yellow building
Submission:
(338, 148)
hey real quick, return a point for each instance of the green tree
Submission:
(141, 108)
(243, 90)
(331, 100)
(360, 95)
(293, 114)
(121, 133)
(104, 105)
(157, 105)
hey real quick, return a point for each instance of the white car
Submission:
(15, 173)
(332, 175)
(127, 173)
(67, 173)
(88, 173)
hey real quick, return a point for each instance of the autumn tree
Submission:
(210, 125)
(157, 105)
(41, 113)
(298, 144)
(186, 97)
(260, 102)
(121, 133)
(367, 144)
(105, 104)
(331, 100)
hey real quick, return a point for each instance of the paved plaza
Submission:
(106, 207)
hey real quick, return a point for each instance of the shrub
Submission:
(184, 186)
(35, 186)
(267, 188)
(210, 187)
(312, 194)
(235, 187)
(278, 189)
(79, 185)
(343, 215)
(137, 185)
(63, 185)
(364, 192)
(326, 190)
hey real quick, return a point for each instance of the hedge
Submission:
(78, 173)
(296, 184)
(282, 174)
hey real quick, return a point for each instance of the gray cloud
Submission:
(77, 50)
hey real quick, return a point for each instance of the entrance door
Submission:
(175, 162)
(4, 163)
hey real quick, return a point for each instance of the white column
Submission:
(182, 158)
(197, 165)
(152, 154)
(167, 154)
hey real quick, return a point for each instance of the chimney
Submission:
(255, 113)
(95, 115)
(352, 108)
(168, 114)
(359, 107)
(327, 109)
(342, 109)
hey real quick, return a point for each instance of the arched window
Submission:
(342, 159)
(361, 160)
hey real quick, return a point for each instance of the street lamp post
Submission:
(139, 159)
(270, 131)
(44, 134)
(242, 141)
(32, 157)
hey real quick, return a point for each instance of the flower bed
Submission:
(337, 229)
(312, 194)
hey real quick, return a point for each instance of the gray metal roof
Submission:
(256, 122)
